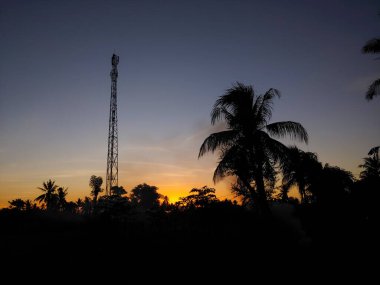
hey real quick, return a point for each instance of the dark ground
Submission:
(223, 242)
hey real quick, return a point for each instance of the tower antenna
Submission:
(112, 157)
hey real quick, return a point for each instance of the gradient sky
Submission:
(176, 58)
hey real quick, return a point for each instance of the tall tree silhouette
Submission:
(299, 171)
(372, 46)
(248, 148)
(49, 197)
(96, 184)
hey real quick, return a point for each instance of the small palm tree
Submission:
(61, 198)
(49, 197)
(371, 165)
(372, 46)
(299, 171)
(248, 147)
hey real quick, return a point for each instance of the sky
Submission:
(176, 58)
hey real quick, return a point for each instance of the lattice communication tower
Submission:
(112, 157)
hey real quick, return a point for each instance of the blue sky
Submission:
(176, 58)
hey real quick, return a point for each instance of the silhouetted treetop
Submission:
(371, 165)
(145, 196)
(96, 183)
(199, 197)
(118, 190)
(18, 204)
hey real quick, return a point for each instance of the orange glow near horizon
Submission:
(173, 184)
(172, 191)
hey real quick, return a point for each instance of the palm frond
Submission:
(372, 46)
(265, 110)
(40, 198)
(256, 105)
(220, 172)
(288, 128)
(373, 90)
(371, 167)
(275, 150)
(42, 189)
(217, 140)
(233, 161)
(374, 150)
(215, 114)
(229, 118)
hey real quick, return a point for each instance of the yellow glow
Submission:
(293, 192)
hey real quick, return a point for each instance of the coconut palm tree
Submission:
(299, 170)
(248, 148)
(49, 197)
(372, 46)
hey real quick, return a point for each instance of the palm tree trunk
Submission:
(301, 187)
(252, 191)
(262, 198)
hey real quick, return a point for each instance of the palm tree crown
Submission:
(248, 147)
(49, 197)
